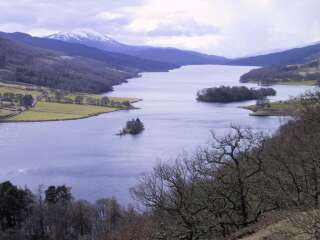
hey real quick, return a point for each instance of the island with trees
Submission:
(226, 94)
(133, 127)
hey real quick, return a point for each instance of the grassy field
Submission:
(52, 111)
(47, 111)
(275, 109)
(293, 83)
(19, 89)
(299, 83)
(6, 112)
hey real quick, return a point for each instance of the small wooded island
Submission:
(133, 127)
(225, 94)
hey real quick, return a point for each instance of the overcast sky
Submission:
(223, 27)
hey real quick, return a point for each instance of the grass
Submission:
(19, 89)
(4, 113)
(292, 82)
(52, 111)
(277, 231)
(276, 225)
(275, 109)
(299, 83)
(280, 228)
(48, 111)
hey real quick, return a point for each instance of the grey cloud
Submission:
(63, 15)
(244, 27)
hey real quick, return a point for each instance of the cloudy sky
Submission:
(223, 27)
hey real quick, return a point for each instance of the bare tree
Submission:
(236, 164)
(173, 193)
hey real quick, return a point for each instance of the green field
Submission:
(292, 83)
(6, 112)
(47, 111)
(285, 108)
(298, 83)
(19, 89)
(53, 110)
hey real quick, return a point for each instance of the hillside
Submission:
(114, 60)
(308, 73)
(182, 57)
(169, 55)
(292, 56)
(26, 64)
(281, 225)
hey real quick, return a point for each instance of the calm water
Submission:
(86, 154)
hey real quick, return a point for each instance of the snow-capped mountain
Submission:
(167, 55)
(93, 39)
(79, 35)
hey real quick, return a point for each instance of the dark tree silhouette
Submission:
(233, 94)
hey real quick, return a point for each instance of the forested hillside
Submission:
(292, 56)
(304, 73)
(177, 56)
(26, 64)
(111, 59)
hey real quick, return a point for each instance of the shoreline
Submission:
(276, 109)
(71, 119)
(288, 83)
(58, 120)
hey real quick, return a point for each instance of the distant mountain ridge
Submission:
(77, 56)
(81, 34)
(294, 65)
(94, 39)
(111, 59)
(168, 55)
(298, 55)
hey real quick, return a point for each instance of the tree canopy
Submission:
(225, 94)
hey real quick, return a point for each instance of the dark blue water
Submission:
(87, 155)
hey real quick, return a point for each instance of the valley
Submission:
(88, 155)
(159, 120)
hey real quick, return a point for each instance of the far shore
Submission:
(290, 83)
(278, 109)
(56, 105)
(49, 116)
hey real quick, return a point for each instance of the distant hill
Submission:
(22, 63)
(309, 73)
(94, 39)
(177, 56)
(113, 60)
(169, 55)
(293, 56)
